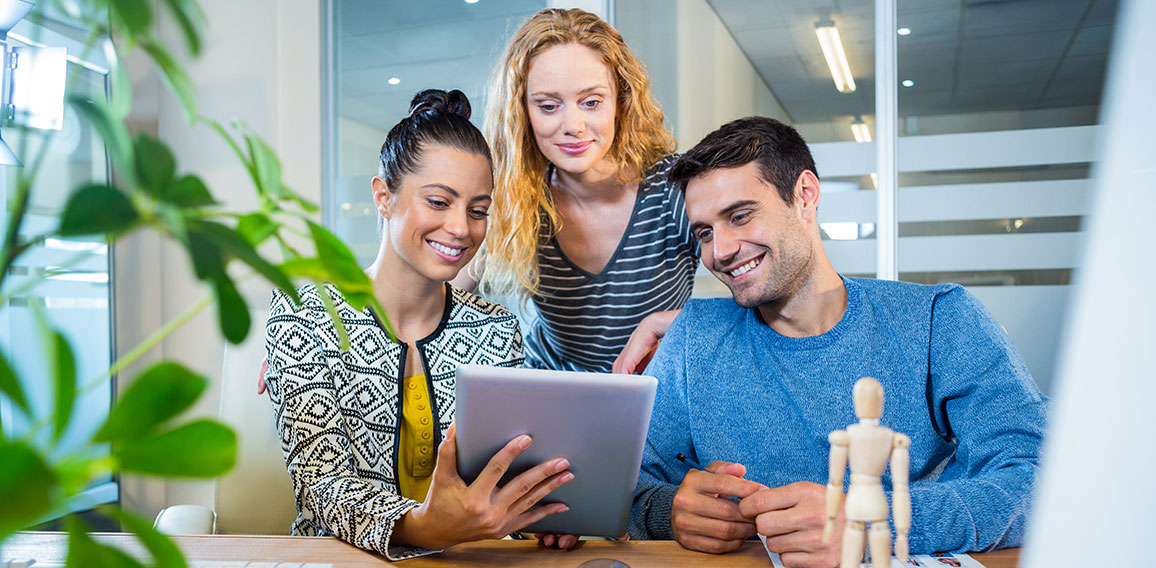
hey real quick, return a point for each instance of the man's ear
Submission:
(381, 195)
(807, 194)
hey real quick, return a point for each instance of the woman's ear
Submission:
(381, 195)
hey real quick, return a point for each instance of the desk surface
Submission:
(52, 547)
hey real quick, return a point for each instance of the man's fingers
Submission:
(771, 499)
(709, 506)
(501, 461)
(707, 544)
(727, 468)
(797, 541)
(721, 484)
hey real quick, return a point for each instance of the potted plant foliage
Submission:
(150, 193)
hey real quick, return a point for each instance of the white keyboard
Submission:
(31, 563)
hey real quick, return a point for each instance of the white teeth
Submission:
(744, 268)
(447, 250)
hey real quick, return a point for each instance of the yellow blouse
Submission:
(416, 453)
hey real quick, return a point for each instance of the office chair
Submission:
(256, 497)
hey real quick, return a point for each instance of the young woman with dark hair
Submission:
(360, 429)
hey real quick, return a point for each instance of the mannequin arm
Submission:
(900, 494)
(838, 466)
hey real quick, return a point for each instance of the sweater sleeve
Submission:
(986, 398)
(669, 433)
(331, 497)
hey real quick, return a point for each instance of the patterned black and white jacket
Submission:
(338, 413)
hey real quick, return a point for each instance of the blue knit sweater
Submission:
(732, 389)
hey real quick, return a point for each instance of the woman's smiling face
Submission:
(570, 98)
(436, 220)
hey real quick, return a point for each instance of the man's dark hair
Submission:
(779, 150)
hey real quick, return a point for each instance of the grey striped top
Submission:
(584, 319)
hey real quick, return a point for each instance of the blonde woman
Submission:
(585, 222)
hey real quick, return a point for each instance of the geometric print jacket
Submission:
(338, 413)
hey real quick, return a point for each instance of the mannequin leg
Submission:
(880, 539)
(853, 540)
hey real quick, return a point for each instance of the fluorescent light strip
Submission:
(836, 58)
(861, 132)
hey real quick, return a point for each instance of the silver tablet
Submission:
(598, 421)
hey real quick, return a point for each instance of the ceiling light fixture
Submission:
(836, 58)
(908, 83)
(860, 130)
(393, 81)
(903, 31)
(471, 1)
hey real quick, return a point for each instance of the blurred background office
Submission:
(998, 117)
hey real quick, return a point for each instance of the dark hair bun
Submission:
(432, 101)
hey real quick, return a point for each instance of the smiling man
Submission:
(753, 385)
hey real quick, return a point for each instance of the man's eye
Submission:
(740, 218)
(704, 234)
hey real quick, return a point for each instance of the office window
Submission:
(381, 53)
(998, 111)
(74, 295)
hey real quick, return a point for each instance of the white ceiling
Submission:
(965, 56)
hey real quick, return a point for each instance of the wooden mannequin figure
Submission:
(868, 446)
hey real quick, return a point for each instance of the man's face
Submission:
(754, 242)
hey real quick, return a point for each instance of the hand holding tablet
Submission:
(596, 421)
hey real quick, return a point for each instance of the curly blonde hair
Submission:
(522, 206)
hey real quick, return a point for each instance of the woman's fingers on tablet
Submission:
(501, 461)
(534, 515)
(518, 495)
(447, 463)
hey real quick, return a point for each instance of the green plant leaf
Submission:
(97, 209)
(203, 448)
(189, 191)
(26, 487)
(232, 313)
(267, 168)
(136, 15)
(155, 165)
(230, 241)
(310, 268)
(160, 393)
(339, 261)
(112, 131)
(208, 264)
(10, 385)
(190, 19)
(232, 144)
(65, 367)
(256, 228)
(120, 85)
(86, 552)
(164, 551)
(175, 75)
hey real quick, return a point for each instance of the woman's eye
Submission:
(548, 107)
(479, 213)
(438, 203)
(592, 104)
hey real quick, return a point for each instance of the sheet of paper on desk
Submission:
(918, 560)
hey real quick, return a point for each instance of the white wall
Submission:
(260, 63)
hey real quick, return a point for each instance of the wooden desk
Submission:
(52, 547)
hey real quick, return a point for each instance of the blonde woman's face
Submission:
(570, 97)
